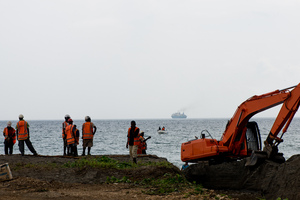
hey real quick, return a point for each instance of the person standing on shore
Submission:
(71, 138)
(22, 128)
(133, 141)
(9, 134)
(64, 125)
(88, 132)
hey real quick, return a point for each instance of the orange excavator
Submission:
(241, 138)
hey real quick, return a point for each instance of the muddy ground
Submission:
(46, 182)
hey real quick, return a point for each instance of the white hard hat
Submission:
(9, 123)
(67, 116)
(87, 118)
(21, 116)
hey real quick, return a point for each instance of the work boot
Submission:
(83, 152)
(134, 160)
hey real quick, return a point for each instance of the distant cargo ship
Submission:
(178, 115)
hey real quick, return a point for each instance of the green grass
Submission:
(165, 185)
(106, 162)
(98, 162)
(94, 162)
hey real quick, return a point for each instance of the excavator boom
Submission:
(233, 143)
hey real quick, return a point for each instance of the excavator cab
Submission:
(253, 137)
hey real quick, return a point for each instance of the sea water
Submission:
(111, 136)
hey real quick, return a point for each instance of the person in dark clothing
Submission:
(9, 134)
(133, 140)
(77, 141)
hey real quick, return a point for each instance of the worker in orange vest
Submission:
(71, 135)
(142, 145)
(9, 134)
(22, 128)
(64, 125)
(88, 132)
(133, 140)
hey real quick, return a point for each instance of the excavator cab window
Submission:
(253, 136)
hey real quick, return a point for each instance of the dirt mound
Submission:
(45, 177)
(26, 166)
(272, 179)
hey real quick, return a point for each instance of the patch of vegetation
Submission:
(167, 184)
(98, 162)
(156, 164)
(106, 162)
(113, 179)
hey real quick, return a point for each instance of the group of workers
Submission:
(21, 133)
(70, 135)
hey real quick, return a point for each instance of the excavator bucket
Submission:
(256, 157)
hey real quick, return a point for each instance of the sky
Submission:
(144, 59)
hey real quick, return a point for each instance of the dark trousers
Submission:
(72, 150)
(8, 145)
(29, 145)
(65, 146)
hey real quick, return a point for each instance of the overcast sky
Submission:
(144, 59)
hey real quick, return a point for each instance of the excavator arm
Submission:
(285, 116)
(233, 141)
(246, 110)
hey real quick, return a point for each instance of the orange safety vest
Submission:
(136, 139)
(87, 131)
(142, 145)
(64, 126)
(22, 130)
(6, 134)
(70, 135)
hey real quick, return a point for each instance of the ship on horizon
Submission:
(178, 115)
